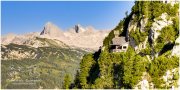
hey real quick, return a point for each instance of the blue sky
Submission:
(23, 17)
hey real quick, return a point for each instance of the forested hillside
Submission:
(151, 29)
(25, 67)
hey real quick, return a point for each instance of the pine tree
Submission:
(67, 81)
(85, 66)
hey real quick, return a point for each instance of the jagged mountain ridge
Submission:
(87, 37)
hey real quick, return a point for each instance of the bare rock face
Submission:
(51, 30)
(170, 78)
(158, 25)
(78, 29)
(143, 23)
(144, 83)
(172, 2)
(176, 48)
(133, 26)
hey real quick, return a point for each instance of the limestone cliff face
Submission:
(134, 26)
(158, 25)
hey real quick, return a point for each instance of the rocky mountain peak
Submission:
(50, 29)
(78, 28)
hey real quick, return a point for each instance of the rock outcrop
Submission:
(158, 25)
(78, 28)
(51, 30)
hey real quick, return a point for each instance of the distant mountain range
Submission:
(79, 37)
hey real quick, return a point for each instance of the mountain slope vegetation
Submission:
(151, 29)
(42, 67)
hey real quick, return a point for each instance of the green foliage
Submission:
(76, 80)
(176, 25)
(85, 67)
(141, 8)
(176, 76)
(159, 66)
(105, 65)
(156, 8)
(116, 70)
(125, 69)
(168, 35)
(107, 40)
(67, 81)
(133, 67)
(147, 50)
(172, 11)
(138, 36)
